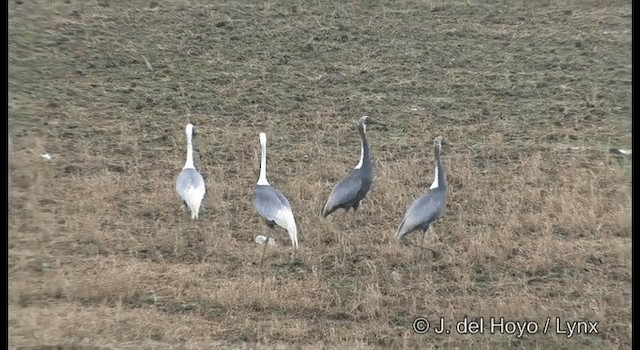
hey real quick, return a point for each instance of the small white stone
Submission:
(261, 240)
(396, 276)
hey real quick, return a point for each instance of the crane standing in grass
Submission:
(349, 192)
(271, 204)
(190, 184)
(429, 207)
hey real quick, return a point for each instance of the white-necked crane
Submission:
(271, 204)
(190, 184)
(428, 208)
(349, 192)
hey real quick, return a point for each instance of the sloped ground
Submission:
(538, 225)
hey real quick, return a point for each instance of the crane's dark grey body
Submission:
(423, 211)
(351, 191)
(429, 207)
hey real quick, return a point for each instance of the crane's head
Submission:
(365, 121)
(439, 142)
(263, 138)
(191, 130)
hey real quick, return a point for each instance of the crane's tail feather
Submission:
(330, 206)
(293, 234)
(286, 220)
(193, 199)
(399, 231)
(328, 209)
(292, 229)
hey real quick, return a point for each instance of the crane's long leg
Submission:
(352, 229)
(341, 238)
(421, 246)
(430, 258)
(264, 249)
(292, 257)
(424, 233)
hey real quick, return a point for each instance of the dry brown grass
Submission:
(102, 254)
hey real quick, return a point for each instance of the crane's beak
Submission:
(446, 144)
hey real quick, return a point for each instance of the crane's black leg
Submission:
(185, 204)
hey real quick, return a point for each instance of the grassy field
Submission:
(532, 94)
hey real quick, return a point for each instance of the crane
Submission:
(271, 204)
(190, 184)
(349, 192)
(428, 208)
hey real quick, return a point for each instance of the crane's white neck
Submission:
(364, 131)
(361, 156)
(189, 163)
(262, 180)
(436, 177)
(435, 183)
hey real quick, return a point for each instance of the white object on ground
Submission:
(626, 152)
(261, 240)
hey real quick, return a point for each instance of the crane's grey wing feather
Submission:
(408, 223)
(191, 188)
(188, 178)
(269, 201)
(345, 191)
(274, 206)
(423, 211)
(282, 198)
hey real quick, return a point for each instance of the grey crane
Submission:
(190, 184)
(271, 204)
(428, 208)
(349, 192)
